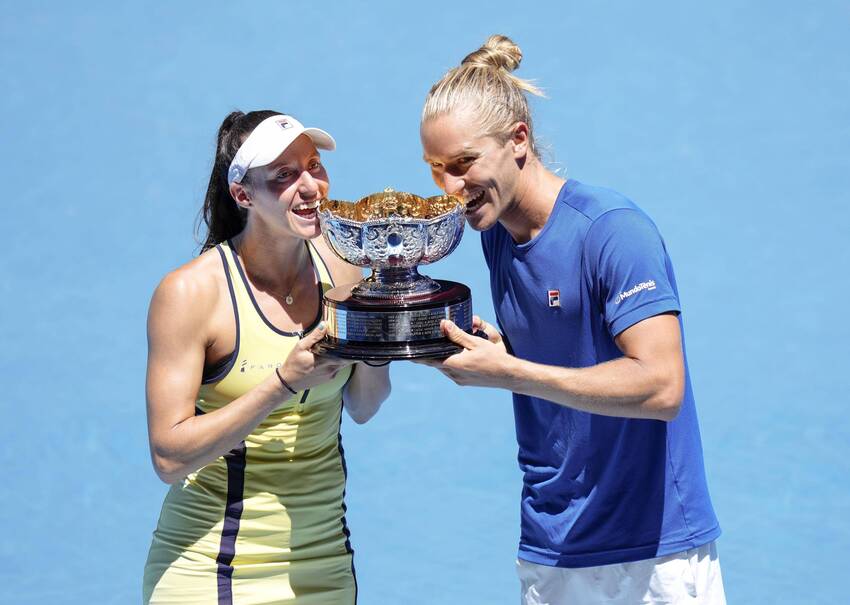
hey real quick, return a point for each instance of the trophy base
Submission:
(335, 348)
(373, 329)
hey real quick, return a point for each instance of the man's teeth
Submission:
(474, 199)
(306, 207)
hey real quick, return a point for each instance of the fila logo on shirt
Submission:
(554, 298)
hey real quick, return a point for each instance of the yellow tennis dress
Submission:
(264, 523)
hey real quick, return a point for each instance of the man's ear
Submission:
(520, 140)
(240, 193)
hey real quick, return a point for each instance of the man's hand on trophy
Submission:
(304, 369)
(484, 330)
(483, 362)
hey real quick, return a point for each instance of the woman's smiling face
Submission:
(290, 188)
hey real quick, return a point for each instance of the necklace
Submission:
(288, 299)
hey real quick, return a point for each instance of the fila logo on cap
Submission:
(284, 123)
(554, 298)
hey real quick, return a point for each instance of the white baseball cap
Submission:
(268, 140)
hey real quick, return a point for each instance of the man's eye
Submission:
(284, 176)
(315, 165)
(466, 160)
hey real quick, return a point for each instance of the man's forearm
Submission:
(623, 387)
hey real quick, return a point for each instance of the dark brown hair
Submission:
(221, 215)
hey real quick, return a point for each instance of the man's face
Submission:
(478, 168)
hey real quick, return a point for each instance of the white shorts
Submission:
(692, 576)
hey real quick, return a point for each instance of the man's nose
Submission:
(452, 184)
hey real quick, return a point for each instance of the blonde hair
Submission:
(483, 84)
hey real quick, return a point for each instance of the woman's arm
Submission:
(366, 390)
(368, 386)
(178, 334)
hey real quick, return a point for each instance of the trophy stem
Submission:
(395, 282)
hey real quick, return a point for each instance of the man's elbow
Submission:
(667, 410)
(668, 402)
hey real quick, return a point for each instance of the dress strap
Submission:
(322, 271)
(246, 298)
(216, 372)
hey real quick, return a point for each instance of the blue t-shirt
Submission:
(596, 489)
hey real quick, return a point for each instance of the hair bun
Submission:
(498, 51)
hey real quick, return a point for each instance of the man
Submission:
(615, 506)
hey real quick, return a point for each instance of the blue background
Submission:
(728, 122)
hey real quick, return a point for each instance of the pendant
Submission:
(288, 299)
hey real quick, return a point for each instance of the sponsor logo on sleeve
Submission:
(644, 285)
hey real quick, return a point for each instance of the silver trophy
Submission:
(395, 312)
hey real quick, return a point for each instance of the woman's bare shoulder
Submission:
(194, 287)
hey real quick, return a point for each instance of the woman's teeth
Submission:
(306, 210)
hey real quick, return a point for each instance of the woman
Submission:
(615, 506)
(243, 418)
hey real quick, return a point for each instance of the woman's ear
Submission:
(240, 194)
(519, 139)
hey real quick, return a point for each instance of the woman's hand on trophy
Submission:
(304, 369)
(483, 362)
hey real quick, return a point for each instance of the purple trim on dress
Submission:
(345, 529)
(345, 478)
(219, 370)
(235, 460)
(354, 575)
(257, 306)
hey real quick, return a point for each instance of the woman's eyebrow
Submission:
(279, 165)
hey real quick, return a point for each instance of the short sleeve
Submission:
(629, 269)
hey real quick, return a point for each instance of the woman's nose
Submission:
(307, 185)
